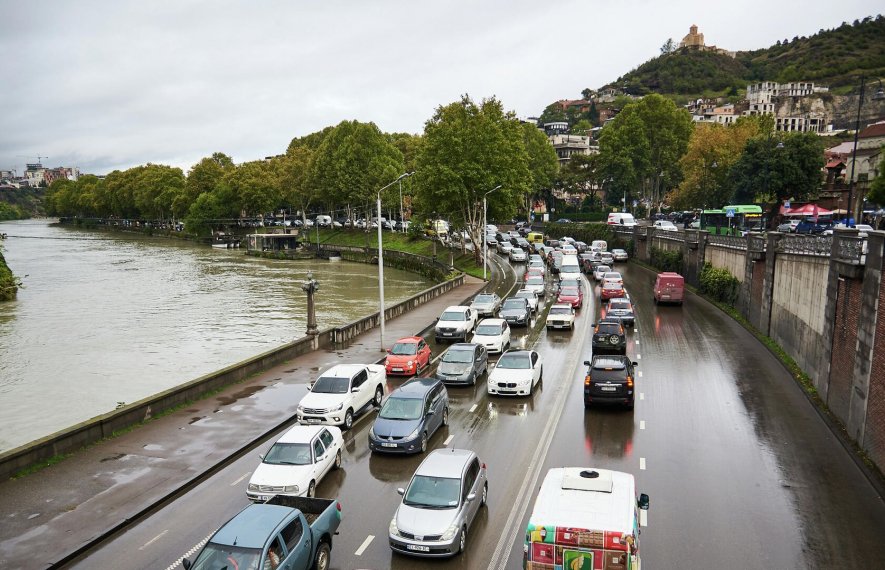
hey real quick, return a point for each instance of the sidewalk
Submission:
(60, 509)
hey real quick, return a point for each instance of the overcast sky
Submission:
(114, 84)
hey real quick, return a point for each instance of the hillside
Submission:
(16, 203)
(833, 57)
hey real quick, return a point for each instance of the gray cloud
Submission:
(104, 85)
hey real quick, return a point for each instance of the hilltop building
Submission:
(695, 41)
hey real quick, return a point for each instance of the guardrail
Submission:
(728, 242)
(806, 245)
(850, 249)
(672, 236)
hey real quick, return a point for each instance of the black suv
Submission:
(610, 379)
(609, 336)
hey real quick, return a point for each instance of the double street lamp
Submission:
(381, 255)
(485, 245)
(310, 287)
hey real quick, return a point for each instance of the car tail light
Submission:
(483, 465)
(338, 506)
(587, 380)
(629, 381)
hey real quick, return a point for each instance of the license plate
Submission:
(447, 334)
(388, 444)
(397, 369)
(313, 420)
(418, 548)
(608, 388)
(263, 498)
(665, 296)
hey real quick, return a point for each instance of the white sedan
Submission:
(517, 254)
(599, 271)
(561, 316)
(494, 334)
(619, 255)
(296, 463)
(516, 373)
(531, 295)
(666, 226)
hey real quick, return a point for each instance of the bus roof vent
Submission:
(580, 479)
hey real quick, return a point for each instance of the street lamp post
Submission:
(381, 257)
(310, 287)
(485, 247)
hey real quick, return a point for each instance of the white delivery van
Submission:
(585, 518)
(599, 245)
(323, 221)
(621, 219)
(570, 268)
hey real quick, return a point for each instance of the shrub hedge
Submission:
(719, 284)
(666, 260)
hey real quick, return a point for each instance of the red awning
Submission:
(806, 210)
(835, 163)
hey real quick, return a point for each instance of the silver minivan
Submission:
(440, 504)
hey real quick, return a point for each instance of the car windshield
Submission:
(404, 348)
(426, 492)
(483, 299)
(619, 304)
(331, 385)
(461, 356)
(215, 556)
(535, 281)
(612, 275)
(514, 304)
(485, 330)
(401, 409)
(515, 362)
(560, 311)
(453, 316)
(609, 328)
(569, 292)
(288, 454)
(525, 295)
(601, 269)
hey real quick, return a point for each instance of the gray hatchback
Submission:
(463, 363)
(440, 504)
(410, 416)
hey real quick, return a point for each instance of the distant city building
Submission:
(762, 99)
(724, 114)
(34, 174)
(567, 145)
(695, 41)
(556, 128)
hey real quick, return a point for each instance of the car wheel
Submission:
(424, 442)
(445, 420)
(462, 543)
(312, 489)
(379, 394)
(473, 378)
(323, 557)
(348, 419)
(485, 493)
(337, 464)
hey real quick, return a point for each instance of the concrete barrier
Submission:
(105, 425)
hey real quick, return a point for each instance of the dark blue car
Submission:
(809, 227)
(410, 416)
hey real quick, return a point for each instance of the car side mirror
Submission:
(586, 363)
(388, 351)
(355, 389)
(401, 491)
(635, 363)
(186, 563)
(592, 324)
(471, 497)
(643, 502)
(261, 456)
(310, 386)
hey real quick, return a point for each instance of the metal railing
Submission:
(672, 236)
(756, 243)
(806, 244)
(730, 242)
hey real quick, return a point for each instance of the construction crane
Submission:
(40, 157)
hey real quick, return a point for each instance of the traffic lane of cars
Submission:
(728, 448)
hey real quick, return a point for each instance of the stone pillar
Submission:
(755, 254)
(768, 282)
(701, 257)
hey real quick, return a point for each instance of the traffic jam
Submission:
(407, 400)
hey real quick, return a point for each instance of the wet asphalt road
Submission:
(741, 471)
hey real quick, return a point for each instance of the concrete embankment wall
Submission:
(820, 298)
(100, 427)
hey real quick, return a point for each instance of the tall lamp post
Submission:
(310, 287)
(485, 246)
(880, 94)
(381, 256)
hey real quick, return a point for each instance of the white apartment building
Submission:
(566, 145)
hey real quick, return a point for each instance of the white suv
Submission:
(340, 393)
(455, 323)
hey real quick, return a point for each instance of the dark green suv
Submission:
(610, 379)
(609, 337)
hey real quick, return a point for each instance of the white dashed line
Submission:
(638, 357)
(641, 424)
(153, 540)
(636, 330)
(364, 545)
(240, 480)
(196, 548)
(642, 395)
(637, 341)
(472, 409)
(448, 440)
(640, 373)
(642, 463)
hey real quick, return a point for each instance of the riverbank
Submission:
(8, 283)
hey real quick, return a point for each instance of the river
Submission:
(106, 319)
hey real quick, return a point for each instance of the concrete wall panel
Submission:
(734, 260)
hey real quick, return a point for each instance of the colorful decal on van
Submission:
(563, 548)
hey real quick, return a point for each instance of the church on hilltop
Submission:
(695, 41)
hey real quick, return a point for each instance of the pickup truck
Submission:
(455, 324)
(340, 393)
(291, 533)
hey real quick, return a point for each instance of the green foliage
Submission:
(719, 284)
(666, 260)
(876, 194)
(688, 72)
(8, 283)
(11, 212)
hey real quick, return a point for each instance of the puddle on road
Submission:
(290, 371)
(152, 447)
(113, 457)
(244, 393)
(195, 420)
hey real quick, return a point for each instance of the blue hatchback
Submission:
(410, 416)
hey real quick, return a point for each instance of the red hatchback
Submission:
(611, 291)
(572, 296)
(408, 356)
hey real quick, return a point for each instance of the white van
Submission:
(570, 268)
(599, 244)
(323, 221)
(585, 517)
(621, 219)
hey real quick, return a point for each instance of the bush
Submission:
(719, 284)
(666, 260)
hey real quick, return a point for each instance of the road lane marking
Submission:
(153, 540)
(448, 440)
(240, 480)
(642, 463)
(533, 472)
(194, 549)
(638, 357)
(636, 330)
(642, 424)
(472, 409)
(364, 545)
(640, 373)
(642, 395)
(637, 341)
(643, 518)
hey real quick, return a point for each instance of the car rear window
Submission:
(612, 286)
(607, 375)
(609, 328)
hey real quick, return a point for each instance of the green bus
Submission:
(745, 217)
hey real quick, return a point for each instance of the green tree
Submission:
(256, 187)
(203, 178)
(876, 195)
(624, 156)
(668, 47)
(468, 150)
(292, 171)
(542, 162)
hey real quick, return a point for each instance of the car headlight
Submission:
(252, 487)
(337, 408)
(409, 363)
(450, 532)
(290, 489)
(300, 408)
(415, 433)
(392, 529)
